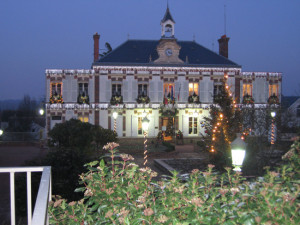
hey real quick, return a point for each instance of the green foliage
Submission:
(170, 147)
(76, 134)
(123, 193)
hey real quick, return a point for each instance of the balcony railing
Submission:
(40, 215)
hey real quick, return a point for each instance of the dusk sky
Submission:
(57, 34)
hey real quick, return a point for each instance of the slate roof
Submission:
(167, 16)
(287, 101)
(137, 52)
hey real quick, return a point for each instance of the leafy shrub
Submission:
(170, 147)
(123, 193)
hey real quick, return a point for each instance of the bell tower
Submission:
(167, 25)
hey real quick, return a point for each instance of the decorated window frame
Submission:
(193, 88)
(116, 89)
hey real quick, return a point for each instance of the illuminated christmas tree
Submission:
(221, 126)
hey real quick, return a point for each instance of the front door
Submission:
(167, 127)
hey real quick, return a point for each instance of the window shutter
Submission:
(160, 88)
(176, 123)
(74, 90)
(160, 122)
(134, 90)
(108, 90)
(152, 91)
(125, 91)
(266, 91)
(176, 90)
(202, 92)
(210, 93)
(185, 91)
(134, 126)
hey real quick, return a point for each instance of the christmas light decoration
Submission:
(145, 126)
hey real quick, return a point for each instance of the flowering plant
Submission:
(83, 99)
(143, 99)
(119, 192)
(116, 99)
(193, 98)
(56, 98)
(248, 99)
(273, 99)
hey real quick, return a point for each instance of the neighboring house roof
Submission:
(140, 52)
(167, 16)
(287, 101)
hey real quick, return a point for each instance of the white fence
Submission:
(40, 215)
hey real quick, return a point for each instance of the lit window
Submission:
(140, 127)
(143, 89)
(217, 88)
(193, 88)
(193, 125)
(83, 88)
(298, 111)
(169, 90)
(84, 119)
(56, 89)
(247, 89)
(273, 89)
(116, 90)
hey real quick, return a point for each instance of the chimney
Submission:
(96, 46)
(223, 46)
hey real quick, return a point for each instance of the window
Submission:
(83, 88)
(169, 90)
(143, 89)
(140, 127)
(193, 125)
(56, 89)
(217, 88)
(56, 117)
(193, 88)
(83, 118)
(298, 111)
(168, 30)
(273, 90)
(247, 89)
(116, 90)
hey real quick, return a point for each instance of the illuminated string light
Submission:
(145, 148)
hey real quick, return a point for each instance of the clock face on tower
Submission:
(168, 52)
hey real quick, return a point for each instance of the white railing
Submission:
(40, 215)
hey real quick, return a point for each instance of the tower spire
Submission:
(167, 24)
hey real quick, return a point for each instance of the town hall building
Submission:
(171, 81)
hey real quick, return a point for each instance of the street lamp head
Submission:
(115, 115)
(273, 114)
(41, 112)
(145, 123)
(238, 152)
(1, 132)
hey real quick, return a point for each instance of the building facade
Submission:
(172, 82)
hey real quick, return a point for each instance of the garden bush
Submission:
(170, 147)
(123, 193)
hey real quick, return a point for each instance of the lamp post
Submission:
(238, 152)
(41, 112)
(145, 126)
(115, 115)
(273, 115)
